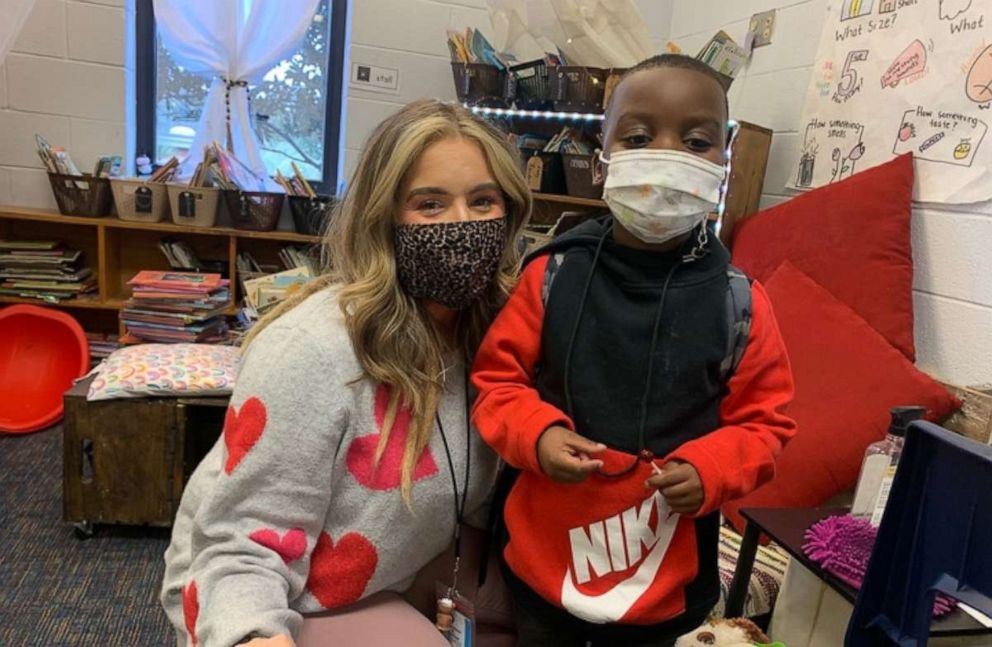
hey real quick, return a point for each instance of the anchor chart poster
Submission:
(900, 76)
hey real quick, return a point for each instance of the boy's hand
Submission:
(680, 485)
(564, 455)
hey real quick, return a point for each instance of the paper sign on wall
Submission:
(902, 76)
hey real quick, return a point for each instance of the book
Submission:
(108, 166)
(133, 311)
(45, 274)
(32, 246)
(273, 288)
(179, 281)
(50, 286)
(64, 258)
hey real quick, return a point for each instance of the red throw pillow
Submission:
(847, 378)
(853, 238)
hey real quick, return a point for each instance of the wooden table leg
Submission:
(742, 573)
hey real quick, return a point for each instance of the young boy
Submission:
(606, 381)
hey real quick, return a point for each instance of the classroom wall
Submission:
(951, 247)
(64, 78)
(413, 41)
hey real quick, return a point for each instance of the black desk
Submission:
(787, 527)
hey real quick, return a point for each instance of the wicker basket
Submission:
(584, 175)
(528, 86)
(310, 214)
(478, 84)
(140, 201)
(82, 195)
(194, 206)
(254, 210)
(578, 89)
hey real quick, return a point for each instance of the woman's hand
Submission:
(681, 486)
(275, 641)
(564, 455)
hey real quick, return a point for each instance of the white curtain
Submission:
(13, 14)
(231, 41)
(595, 33)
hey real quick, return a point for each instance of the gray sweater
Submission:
(286, 515)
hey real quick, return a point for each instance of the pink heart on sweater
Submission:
(290, 546)
(386, 475)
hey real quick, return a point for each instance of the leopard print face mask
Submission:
(451, 263)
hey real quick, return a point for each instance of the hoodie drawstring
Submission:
(697, 251)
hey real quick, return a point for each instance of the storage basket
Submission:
(543, 171)
(140, 201)
(578, 89)
(584, 175)
(528, 86)
(82, 195)
(254, 210)
(194, 206)
(479, 84)
(310, 214)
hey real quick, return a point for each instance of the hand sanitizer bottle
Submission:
(879, 466)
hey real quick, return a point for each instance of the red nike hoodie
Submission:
(608, 550)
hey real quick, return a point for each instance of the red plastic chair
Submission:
(42, 352)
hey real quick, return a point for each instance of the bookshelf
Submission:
(116, 250)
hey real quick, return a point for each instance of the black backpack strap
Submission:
(554, 263)
(739, 313)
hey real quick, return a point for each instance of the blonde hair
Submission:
(393, 338)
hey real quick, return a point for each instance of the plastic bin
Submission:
(578, 89)
(479, 84)
(584, 175)
(82, 195)
(254, 210)
(140, 201)
(194, 206)
(543, 171)
(310, 215)
(529, 88)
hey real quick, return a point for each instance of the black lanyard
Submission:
(460, 502)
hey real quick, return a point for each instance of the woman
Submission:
(347, 459)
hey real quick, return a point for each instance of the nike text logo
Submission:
(616, 544)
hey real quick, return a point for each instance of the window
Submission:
(296, 108)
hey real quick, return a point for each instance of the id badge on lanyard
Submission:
(455, 617)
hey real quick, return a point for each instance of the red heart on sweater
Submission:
(386, 475)
(242, 430)
(191, 609)
(339, 573)
(290, 546)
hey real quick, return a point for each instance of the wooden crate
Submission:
(126, 461)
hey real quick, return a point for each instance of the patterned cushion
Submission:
(166, 370)
(766, 576)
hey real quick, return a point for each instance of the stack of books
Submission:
(174, 307)
(102, 345)
(43, 270)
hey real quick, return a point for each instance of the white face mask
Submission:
(659, 195)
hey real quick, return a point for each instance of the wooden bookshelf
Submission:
(117, 249)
